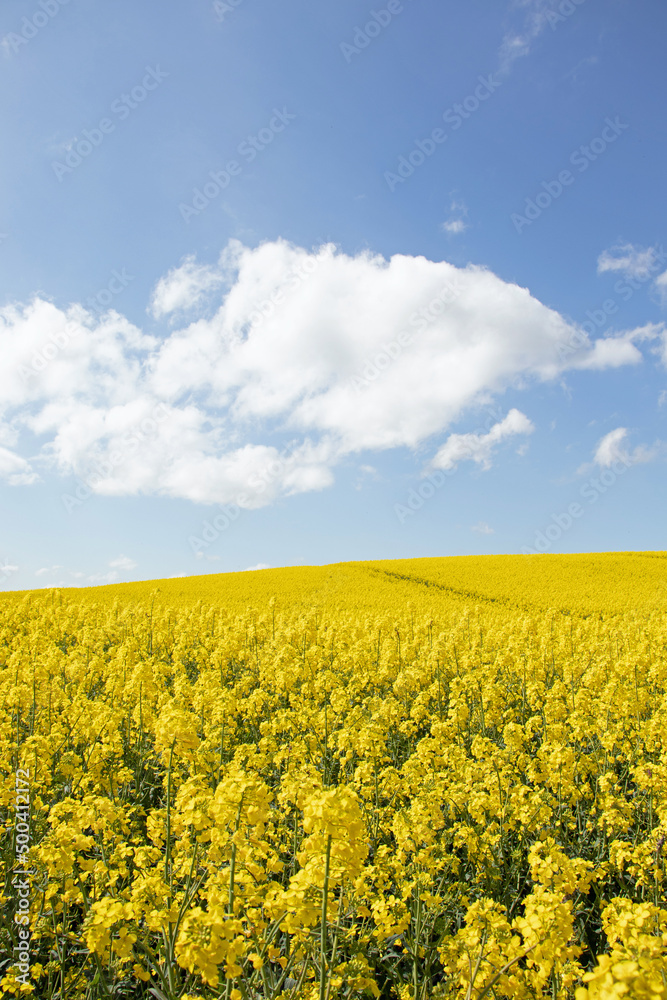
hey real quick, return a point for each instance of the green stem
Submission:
(232, 863)
(232, 873)
(334, 946)
(167, 853)
(323, 928)
(415, 953)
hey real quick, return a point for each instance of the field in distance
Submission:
(580, 583)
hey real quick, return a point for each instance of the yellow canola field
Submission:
(401, 779)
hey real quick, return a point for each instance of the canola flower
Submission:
(407, 779)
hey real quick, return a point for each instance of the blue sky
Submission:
(305, 283)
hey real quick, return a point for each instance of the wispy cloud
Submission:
(184, 287)
(47, 570)
(123, 564)
(16, 470)
(630, 260)
(660, 285)
(518, 42)
(480, 447)
(456, 223)
(117, 568)
(482, 528)
(612, 448)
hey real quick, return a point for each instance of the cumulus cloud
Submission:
(614, 352)
(295, 360)
(480, 447)
(50, 355)
(630, 260)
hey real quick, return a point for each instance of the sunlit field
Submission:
(408, 779)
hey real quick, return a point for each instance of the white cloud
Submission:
(612, 448)
(263, 398)
(7, 568)
(661, 348)
(184, 287)
(454, 226)
(118, 568)
(123, 563)
(16, 470)
(251, 569)
(630, 260)
(456, 223)
(482, 528)
(479, 447)
(49, 356)
(610, 352)
(517, 44)
(45, 570)
(660, 285)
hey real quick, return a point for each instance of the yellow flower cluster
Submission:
(435, 778)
